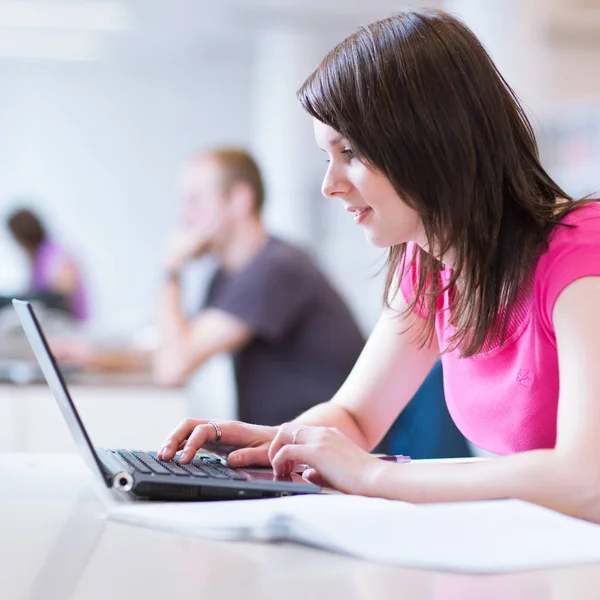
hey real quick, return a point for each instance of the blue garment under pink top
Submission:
(50, 257)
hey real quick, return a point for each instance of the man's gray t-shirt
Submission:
(305, 339)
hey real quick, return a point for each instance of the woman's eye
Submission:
(347, 152)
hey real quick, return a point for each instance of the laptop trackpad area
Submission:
(266, 474)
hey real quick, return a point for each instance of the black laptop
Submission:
(141, 474)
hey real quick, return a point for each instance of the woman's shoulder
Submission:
(579, 229)
(573, 252)
(585, 217)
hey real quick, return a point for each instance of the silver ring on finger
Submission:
(295, 434)
(217, 431)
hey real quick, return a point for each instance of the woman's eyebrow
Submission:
(334, 141)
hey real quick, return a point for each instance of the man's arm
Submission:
(95, 358)
(185, 344)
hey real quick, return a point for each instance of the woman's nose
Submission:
(333, 186)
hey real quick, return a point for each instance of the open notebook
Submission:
(476, 537)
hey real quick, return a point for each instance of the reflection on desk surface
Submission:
(56, 545)
(71, 550)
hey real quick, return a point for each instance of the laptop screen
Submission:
(56, 382)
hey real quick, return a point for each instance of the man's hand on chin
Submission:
(184, 245)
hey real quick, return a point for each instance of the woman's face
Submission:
(367, 195)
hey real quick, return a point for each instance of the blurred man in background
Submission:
(292, 337)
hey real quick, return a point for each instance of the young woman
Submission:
(491, 265)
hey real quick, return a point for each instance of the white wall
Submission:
(576, 75)
(100, 144)
(100, 148)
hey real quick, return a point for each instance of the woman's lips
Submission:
(361, 214)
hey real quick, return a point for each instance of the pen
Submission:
(397, 458)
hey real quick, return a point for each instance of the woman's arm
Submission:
(386, 376)
(566, 478)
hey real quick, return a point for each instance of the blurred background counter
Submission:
(119, 410)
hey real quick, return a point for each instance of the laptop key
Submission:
(214, 472)
(200, 464)
(209, 460)
(153, 465)
(172, 467)
(195, 471)
(135, 462)
(216, 464)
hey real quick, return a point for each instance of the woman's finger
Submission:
(285, 460)
(243, 435)
(202, 433)
(233, 433)
(282, 437)
(177, 438)
(313, 476)
(246, 457)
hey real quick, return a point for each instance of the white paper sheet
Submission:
(476, 537)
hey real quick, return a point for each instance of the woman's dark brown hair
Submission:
(27, 229)
(420, 100)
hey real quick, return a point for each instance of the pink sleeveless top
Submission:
(505, 399)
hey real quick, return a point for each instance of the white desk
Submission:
(54, 545)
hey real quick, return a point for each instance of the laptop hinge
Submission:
(110, 466)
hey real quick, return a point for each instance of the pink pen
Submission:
(397, 458)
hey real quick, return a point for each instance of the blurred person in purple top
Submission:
(53, 269)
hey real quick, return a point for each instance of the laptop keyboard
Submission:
(205, 466)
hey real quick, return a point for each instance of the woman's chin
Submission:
(380, 241)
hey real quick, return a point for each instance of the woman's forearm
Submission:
(370, 399)
(330, 414)
(542, 477)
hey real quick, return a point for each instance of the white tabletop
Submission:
(55, 544)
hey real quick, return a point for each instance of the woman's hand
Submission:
(333, 458)
(192, 434)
